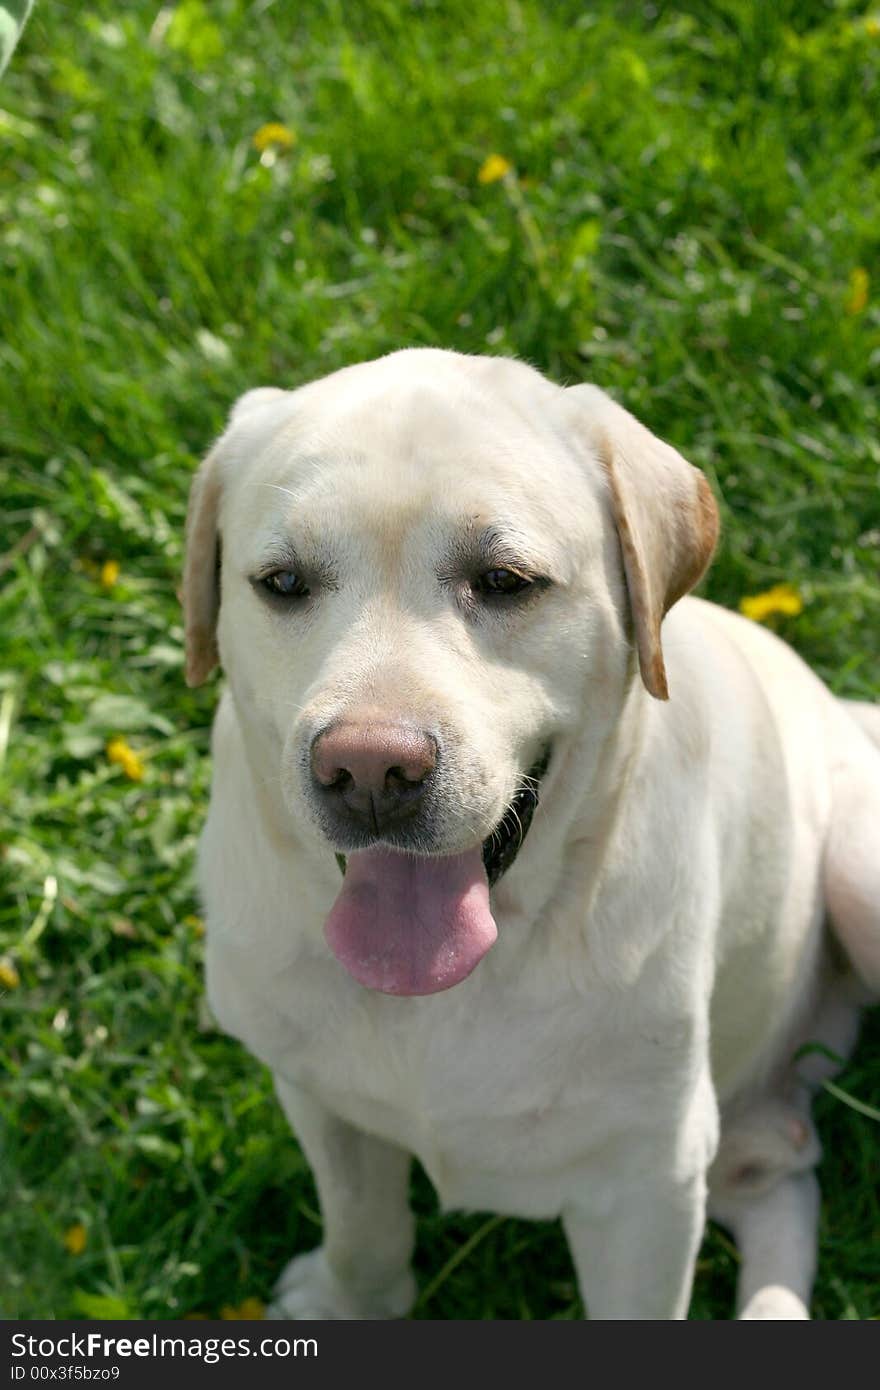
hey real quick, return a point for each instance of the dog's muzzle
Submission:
(372, 776)
(499, 850)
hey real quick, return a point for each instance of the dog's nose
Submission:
(376, 772)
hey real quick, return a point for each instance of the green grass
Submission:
(694, 186)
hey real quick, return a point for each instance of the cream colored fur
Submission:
(623, 1056)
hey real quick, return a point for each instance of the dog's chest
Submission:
(499, 1095)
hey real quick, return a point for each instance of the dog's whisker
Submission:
(277, 488)
(265, 702)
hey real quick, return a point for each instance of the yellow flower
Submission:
(859, 280)
(872, 26)
(494, 168)
(782, 598)
(195, 924)
(274, 134)
(75, 1239)
(250, 1310)
(118, 751)
(9, 976)
(109, 574)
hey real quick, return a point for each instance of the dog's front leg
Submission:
(362, 1269)
(635, 1233)
(635, 1252)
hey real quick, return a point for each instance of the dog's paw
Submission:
(308, 1289)
(774, 1303)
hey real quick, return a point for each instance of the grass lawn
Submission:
(691, 218)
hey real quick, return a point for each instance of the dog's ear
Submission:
(666, 518)
(201, 571)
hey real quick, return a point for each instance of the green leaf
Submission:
(125, 714)
(194, 35)
(102, 1305)
(78, 742)
(157, 1147)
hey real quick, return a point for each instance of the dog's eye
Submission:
(500, 582)
(284, 584)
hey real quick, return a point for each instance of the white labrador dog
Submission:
(440, 601)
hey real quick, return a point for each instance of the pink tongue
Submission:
(405, 925)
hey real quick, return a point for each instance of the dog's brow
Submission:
(277, 549)
(505, 546)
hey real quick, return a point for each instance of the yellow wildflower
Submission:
(109, 574)
(75, 1239)
(118, 751)
(859, 280)
(195, 924)
(782, 598)
(872, 26)
(274, 134)
(9, 976)
(494, 168)
(250, 1310)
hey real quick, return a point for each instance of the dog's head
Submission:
(421, 575)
